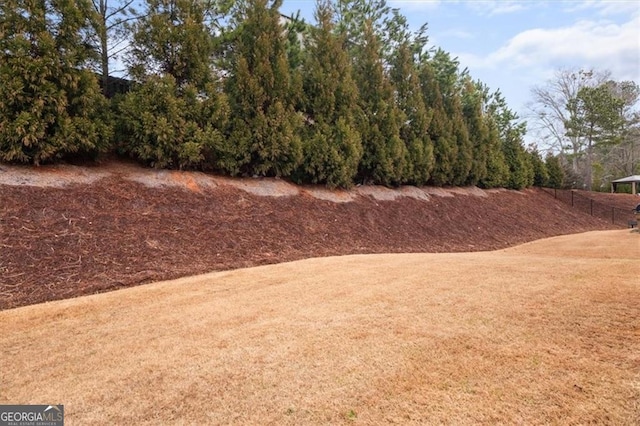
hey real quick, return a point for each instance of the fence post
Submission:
(613, 215)
(572, 198)
(591, 207)
(555, 192)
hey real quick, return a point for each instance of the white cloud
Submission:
(604, 8)
(415, 5)
(456, 33)
(497, 7)
(601, 45)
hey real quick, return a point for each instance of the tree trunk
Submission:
(589, 166)
(104, 48)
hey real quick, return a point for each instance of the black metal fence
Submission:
(588, 205)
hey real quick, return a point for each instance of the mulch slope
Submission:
(59, 243)
(620, 201)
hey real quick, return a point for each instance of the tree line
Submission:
(592, 123)
(233, 87)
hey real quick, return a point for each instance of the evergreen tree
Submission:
(448, 77)
(384, 154)
(296, 30)
(173, 38)
(596, 119)
(331, 144)
(464, 159)
(497, 169)
(176, 116)
(440, 132)
(540, 174)
(473, 110)
(354, 16)
(50, 106)
(510, 133)
(264, 138)
(520, 167)
(414, 130)
(166, 126)
(555, 171)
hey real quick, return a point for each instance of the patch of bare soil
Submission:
(67, 231)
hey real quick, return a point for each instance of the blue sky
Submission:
(515, 45)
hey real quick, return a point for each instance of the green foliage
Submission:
(296, 31)
(520, 168)
(172, 38)
(49, 106)
(595, 115)
(509, 133)
(540, 174)
(354, 16)
(163, 126)
(230, 85)
(448, 77)
(264, 138)
(556, 176)
(440, 131)
(176, 117)
(414, 130)
(464, 160)
(473, 101)
(384, 153)
(331, 144)
(590, 119)
(497, 175)
(600, 118)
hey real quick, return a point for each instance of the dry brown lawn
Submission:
(543, 333)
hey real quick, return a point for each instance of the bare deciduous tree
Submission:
(549, 111)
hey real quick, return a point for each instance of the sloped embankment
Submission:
(67, 231)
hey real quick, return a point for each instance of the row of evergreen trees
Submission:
(232, 87)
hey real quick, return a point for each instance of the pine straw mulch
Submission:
(60, 243)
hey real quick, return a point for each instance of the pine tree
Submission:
(384, 153)
(50, 107)
(172, 38)
(110, 35)
(414, 130)
(331, 145)
(264, 138)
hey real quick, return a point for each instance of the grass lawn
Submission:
(543, 333)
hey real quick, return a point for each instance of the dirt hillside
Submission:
(67, 231)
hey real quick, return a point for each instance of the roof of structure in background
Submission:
(628, 179)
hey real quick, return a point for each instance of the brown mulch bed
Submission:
(59, 243)
(619, 201)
